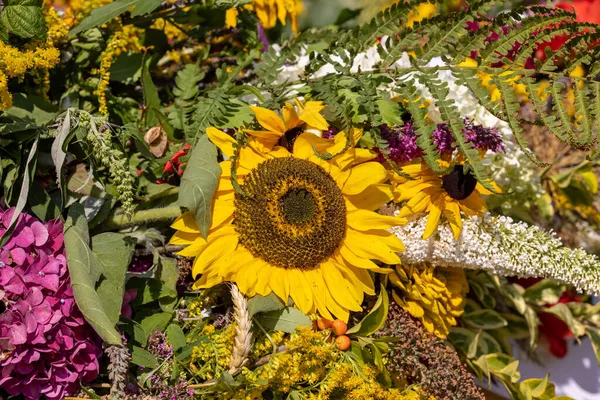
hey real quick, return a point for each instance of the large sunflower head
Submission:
(301, 227)
(440, 195)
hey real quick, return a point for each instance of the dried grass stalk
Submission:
(243, 333)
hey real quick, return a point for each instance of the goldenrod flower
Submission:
(304, 227)
(268, 12)
(435, 296)
(437, 195)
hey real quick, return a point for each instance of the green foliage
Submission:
(112, 10)
(85, 270)
(199, 183)
(287, 320)
(375, 319)
(24, 18)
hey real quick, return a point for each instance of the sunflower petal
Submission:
(368, 247)
(290, 117)
(311, 114)
(435, 212)
(364, 220)
(269, 120)
(222, 140)
(364, 175)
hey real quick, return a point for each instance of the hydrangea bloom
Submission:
(48, 346)
(503, 247)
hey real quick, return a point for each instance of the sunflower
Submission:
(268, 12)
(435, 296)
(437, 195)
(303, 228)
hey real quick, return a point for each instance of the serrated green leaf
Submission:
(286, 320)
(84, 271)
(199, 182)
(25, 18)
(114, 251)
(375, 319)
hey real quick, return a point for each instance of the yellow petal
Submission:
(303, 146)
(194, 249)
(372, 197)
(222, 140)
(364, 175)
(452, 214)
(280, 283)
(185, 223)
(318, 287)
(269, 120)
(364, 220)
(311, 115)
(231, 18)
(290, 117)
(435, 212)
(300, 290)
(338, 286)
(268, 136)
(220, 244)
(368, 247)
(183, 238)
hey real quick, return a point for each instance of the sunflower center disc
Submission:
(293, 214)
(458, 184)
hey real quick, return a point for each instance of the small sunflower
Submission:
(437, 195)
(435, 296)
(290, 124)
(268, 12)
(304, 227)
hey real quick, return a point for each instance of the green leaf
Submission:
(484, 319)
(176, 337)
(156, 322)
(546, 291)
(375, 319)
(391, 113)
(126, 68)
(145, 7)
(23, 192)
(286, 320)
(84, 270)
(114, 251)
(262, 304)
(25, 18)
(515, 294)
(532, 322)
(347, 14)
(461, 338)
(33, 108)
(538, 388)
(102, 15)
(594, 335)
(143, 358)
(41, 203)
(199, 182)
(151, 99)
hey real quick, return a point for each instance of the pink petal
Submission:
(18, 255)
(25, 237)
(40, 232)
(18, 334)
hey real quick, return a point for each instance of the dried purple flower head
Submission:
(402, 141)
(47, 346)
(159, 346)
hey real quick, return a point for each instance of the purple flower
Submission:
(128, 297)
(483, 138)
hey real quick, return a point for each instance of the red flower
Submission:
(173, 165)
(586, 10)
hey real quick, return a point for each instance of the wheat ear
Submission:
(243, 331)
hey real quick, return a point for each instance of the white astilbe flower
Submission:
(503, 247)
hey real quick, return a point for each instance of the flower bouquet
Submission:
(221, 199)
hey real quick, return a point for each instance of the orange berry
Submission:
(324, 323)
(342, 342)
(339, 327)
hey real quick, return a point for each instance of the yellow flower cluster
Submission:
(269, 11)
(195, 307)
(58, 28)
(211, 357)
(106, 60)
(265, 346)
(172, 32)
(343, 383)
(309, 360)
(15, 63)
(435, 296)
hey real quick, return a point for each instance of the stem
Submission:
(118, 219)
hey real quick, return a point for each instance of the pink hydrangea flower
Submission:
(50, 347)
